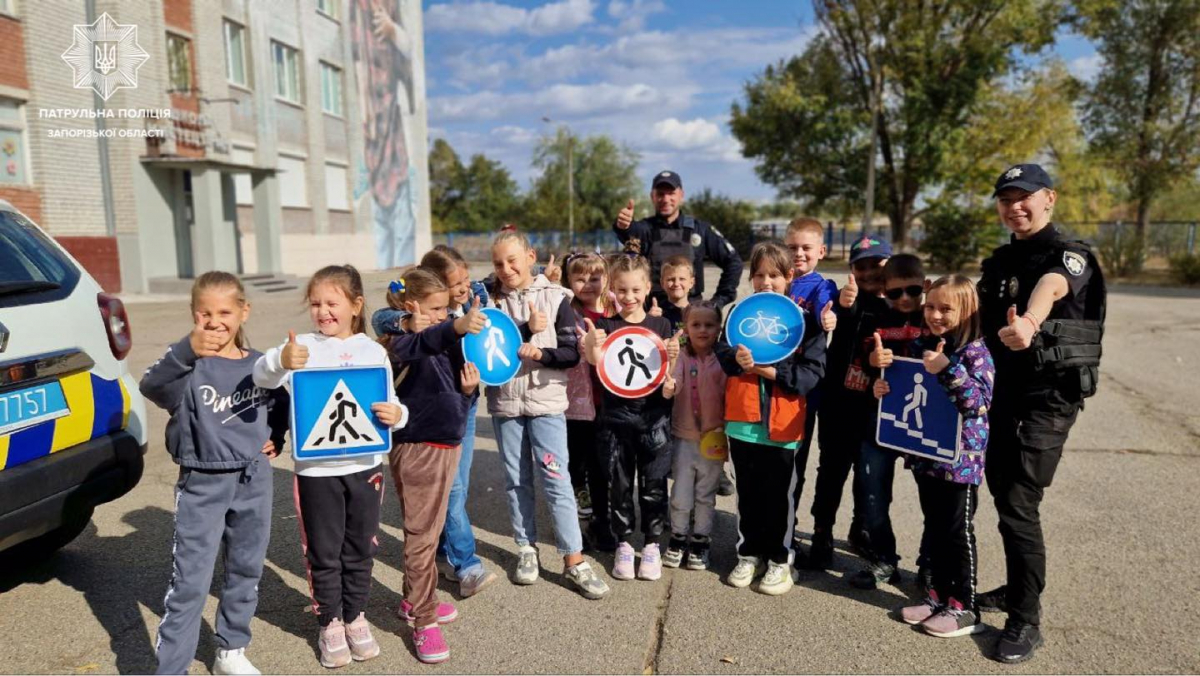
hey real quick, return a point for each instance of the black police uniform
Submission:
(1038, 392)
(689, 237)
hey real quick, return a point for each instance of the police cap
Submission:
(668, 177)
(1027, 177)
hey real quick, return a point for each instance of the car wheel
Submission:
(32, 552)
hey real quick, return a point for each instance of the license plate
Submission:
(30, 406)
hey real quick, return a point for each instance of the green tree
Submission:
(927, 61)
(1143, 110)
(478, 197)
(605, 175)
(731, 216)
(445, 184)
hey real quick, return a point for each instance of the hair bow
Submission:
(397, 286)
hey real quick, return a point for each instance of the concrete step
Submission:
(254, 284)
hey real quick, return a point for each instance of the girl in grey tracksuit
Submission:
(222, 432)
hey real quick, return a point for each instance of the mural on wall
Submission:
(382, 46)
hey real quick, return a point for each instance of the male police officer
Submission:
(1043, 300)
(670, 233)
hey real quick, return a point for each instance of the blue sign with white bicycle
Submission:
(770, 325)
(494, 349)
(917, 417)
(331, 412)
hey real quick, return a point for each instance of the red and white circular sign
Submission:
(633, 362)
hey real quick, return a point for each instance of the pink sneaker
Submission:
(953, 620)
(446, 613)
(925, 610)
(651, 566)
(431, 645)
(623, 566)
(362, 644)
(335, 652)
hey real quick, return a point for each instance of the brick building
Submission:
(258, 167)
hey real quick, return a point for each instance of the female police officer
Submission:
(1042, 299)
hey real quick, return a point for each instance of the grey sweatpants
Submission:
(214, 507)
(696, 480)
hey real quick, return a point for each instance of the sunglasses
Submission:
(913, 291)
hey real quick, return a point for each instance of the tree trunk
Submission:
(1138, 253)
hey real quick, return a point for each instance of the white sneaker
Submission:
(747, 568)
(234, 662)
(528, 566)
(777, 581)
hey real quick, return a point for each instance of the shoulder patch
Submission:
(1074, 262)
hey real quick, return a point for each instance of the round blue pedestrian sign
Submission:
(494, 349)
(770, 325)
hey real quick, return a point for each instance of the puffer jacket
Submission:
(539, 388)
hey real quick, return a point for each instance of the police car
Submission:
(72, 422)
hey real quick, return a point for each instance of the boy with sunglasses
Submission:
(904, 285)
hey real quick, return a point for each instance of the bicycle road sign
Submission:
(917, 417)
(633, 362)
(331, 412)
(494, 349)
(770, 325)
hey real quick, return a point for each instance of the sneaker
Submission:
(725, 488)
(650, 567)
(335, 652)
(431, 645)
(528, 566)
(777, 580)
(600, 537)
(697, 558)
(587, 581)
(232, 662)
(820, 554)
(446, 612)
(876, 575)
(924, 579)
(860, 542)
(474, 581)
(583, 502)
(994, 601)
(623, 565)
(1018, 642)
(362, 644)
(446, 570)
(923, 611)
(747, 568)
(953, 620)
(673, 557)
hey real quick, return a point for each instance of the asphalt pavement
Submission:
(1121, 523)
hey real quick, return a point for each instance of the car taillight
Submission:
(116, 324)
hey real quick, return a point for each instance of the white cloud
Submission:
(632, 15)
(1086, 67)
(492, 18)
(697, 133)
(562, 100)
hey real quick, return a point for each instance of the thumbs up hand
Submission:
(472, 322)
(553, 272)
(828, 318)
(417, 321)
(935, 361)
(537, 319)
(849, 293)
(1019, 333)
(294, 355)
(880, 356)
(593, 341)
(655, 310)
(625, 217)
(673, 347)
(205, 343)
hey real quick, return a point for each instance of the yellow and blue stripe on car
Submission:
(98, 407)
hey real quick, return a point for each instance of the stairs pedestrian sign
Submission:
(917, 417)
(331, 412)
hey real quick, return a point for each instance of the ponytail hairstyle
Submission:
(452, 253)
(963, 296)
(415, 285)
(629, 261)
(509, 233)
(347, 279)
(439, 263)
(216, 279)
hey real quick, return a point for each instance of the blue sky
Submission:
(656, 75)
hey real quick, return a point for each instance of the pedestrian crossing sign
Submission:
(331, 412)
(917, 417)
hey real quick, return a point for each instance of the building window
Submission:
(331, 89)
(287, 72)
(235, 53)
(14, 160)
(8, 7)
(330, 8)
(179, 63)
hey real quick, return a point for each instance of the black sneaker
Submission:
(924, 580)
(676, 551)
(876, 575)
(725, 488)
(820, 555)
(1018, 642)
(994, 601)
(601, 537)
(860, 543)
